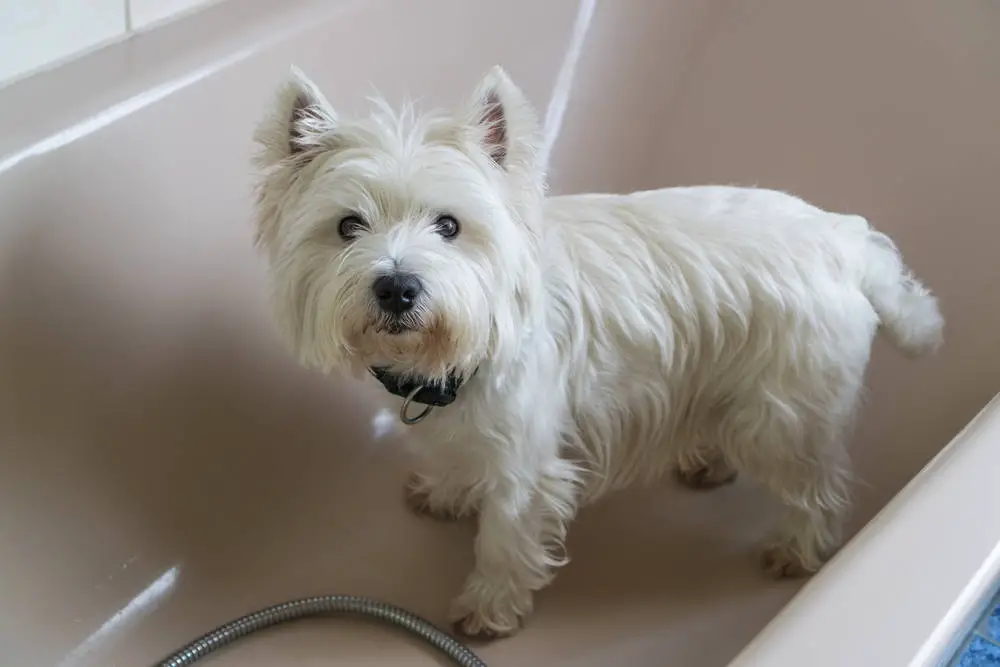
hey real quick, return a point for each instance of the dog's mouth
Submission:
(395, 326)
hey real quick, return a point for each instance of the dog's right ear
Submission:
(299, 122)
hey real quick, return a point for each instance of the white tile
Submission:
(145, 12)
(35, 33)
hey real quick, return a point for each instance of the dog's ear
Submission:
(299, 122)
(502, 121)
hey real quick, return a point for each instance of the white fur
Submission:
(706, 330)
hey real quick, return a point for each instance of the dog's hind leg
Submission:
(815, 499)
(798, 454)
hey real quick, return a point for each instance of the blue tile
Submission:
(991, 628)
(979, 653)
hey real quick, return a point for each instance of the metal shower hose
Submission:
(316, 606)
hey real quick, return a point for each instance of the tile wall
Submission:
(983, 647)
(36, 34)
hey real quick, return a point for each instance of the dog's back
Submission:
(678, 305)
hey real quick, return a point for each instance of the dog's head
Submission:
(402, 240)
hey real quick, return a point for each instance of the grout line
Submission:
(977, 633)
(983, 624)
(963, 647)
(128, 17)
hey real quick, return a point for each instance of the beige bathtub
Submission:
(164, 467)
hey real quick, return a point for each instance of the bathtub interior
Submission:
(165, 466)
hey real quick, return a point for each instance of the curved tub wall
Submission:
(163, 464)
(911, 586)
(884, 108)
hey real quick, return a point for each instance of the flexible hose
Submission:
(316, 606)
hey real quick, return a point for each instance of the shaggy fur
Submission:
(703, 330)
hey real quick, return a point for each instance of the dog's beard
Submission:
(418, 342)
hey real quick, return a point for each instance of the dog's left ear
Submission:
(503, 122)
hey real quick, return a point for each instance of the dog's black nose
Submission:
(396, 293)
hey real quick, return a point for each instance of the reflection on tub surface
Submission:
(141, 605)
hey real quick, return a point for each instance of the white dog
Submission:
(574, 345)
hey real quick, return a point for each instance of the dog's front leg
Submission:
(522, 523)
(511, 564)
(444, 494)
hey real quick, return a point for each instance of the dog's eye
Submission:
(447, 226)
(350, 227)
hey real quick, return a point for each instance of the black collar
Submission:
(432, 393)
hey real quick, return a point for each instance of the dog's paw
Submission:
(477, 626)
(482, 613)
(705, 476)
(418, 499)
(781, 562)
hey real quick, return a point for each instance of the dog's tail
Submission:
(908, 311)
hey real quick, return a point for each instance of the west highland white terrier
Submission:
(553, 349)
